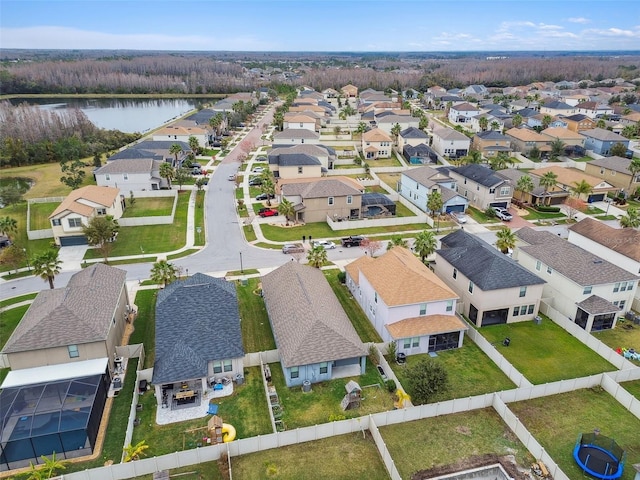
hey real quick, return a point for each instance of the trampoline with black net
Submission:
(599, 456)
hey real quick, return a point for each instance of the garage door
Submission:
(74, 240)
(596, 198)
(499, 204)
(455, 208)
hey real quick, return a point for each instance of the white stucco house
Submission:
(131, 175)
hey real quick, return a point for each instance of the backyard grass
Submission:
(376, 189)
(245, 409)
(384, 162)
(249, 234)
(322, 403)
(9, 320)
(46, 178)
(18, 299)
(147, 207)
(322, 230)
(556, 422)
(144, 326)
(39, 215)
(390, 179)
(625, 335)
(199, 238)
(186, 253)
(361, 323)
(402, 211)
(469, 370)
(446, 439)
(151, 238)
(343, 457)
(200, 471)
(545, 353)
(256, 329)
(633, 388)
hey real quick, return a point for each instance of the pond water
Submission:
(127, 115)
(21, 183)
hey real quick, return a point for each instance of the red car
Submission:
(268, 212)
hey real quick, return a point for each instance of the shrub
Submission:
(490, 212)
(392, 349)
(426, 379)
(547, 209)
(342, 277)
(373, 354)
(391, 385)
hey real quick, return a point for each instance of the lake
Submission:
(124, 114)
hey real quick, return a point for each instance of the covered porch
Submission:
(595, 314)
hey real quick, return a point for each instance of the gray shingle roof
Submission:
(485, 266)
(575, 263)
(320, 189)
(292, 159)
(558, 105)
(309, 324)
(295, 133)
(596, 305)
(618, 164)
(480, 174)
(413, 132)
(128, 165)
(197, 321)
(135, 153)
(492, 135)
(449, 134)
(82, 312)
(604, 135)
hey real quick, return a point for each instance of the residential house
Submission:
(490, 143)
(198, 339)
(575, 99)
(481, 186)
(556, 107)
(601, 141)
(573, 141)
(595, 110)
(79, 207)
(316, 199)
(475, 90)
(300, 120)
(493, 288)
(420, 154)
(315, 339)
(416, 184)
(630, 119)
(462, 113)
(349, 91)
(581, 286)
(524, 139)
(326, 155)
(567, 178)
(330, 93)
(83, 321)
(412, 136)
(131, 175)
(554, 195)
(294, 165)
(319, 110)
(156, 149)
(615, 171)
(182, 134)
(387, 123)
(406, 302)
(450, 143)
(295, 136)
(579, 122)
(376, 143)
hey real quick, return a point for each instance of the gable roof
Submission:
(104, 196)
(480, 174)
(134, 153)
(625, 241)
(413, 132)
(292, 159)
(400, 278)
(449, 134)
(425, 325)
(563, 133)
(376, 135)
(526, 135)
(568, 176)
(465, 107)
(426, 175)
(81, 312)
(129, 165)
(604, 135)
(492, 135)
(618, 164)
(320, 187)
(314, 150)
(578, 117)
(485, 266)
(558, 105)
(197, 321)
(181, 130)
(575, 263)
(309, 324)
(288, 133)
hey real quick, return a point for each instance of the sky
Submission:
(321, 25)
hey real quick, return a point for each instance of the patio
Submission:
(181, 411)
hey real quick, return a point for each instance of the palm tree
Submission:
(547, 181)
(516, 121)
(634, 169)
(163, 272)
(557, 148)
(134, 452)
(317, 256)
(8, 226)
(631, 219)
(495, 125)
(475, 156)
(395, 132)
(425, 244)
(194, 145)
(434, 203)
(534, 153)
(505, 240)
(483, 122)
(581, 188)
(175, 150)
(500, 161)
(546, 121)
(167, 172)
(601, 123)
(524, 185)
(362, 127)
(286, 208)
(47, 266)
(397, 241)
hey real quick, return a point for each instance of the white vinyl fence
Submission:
(152, 220)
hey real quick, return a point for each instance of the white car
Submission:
(231, 178)
(327, 245)
(459, 217)
(257, 170)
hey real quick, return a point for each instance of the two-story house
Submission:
(182, 134)
(601, 141)
(326, 155)
(595, 110)
(615, 171)
(412, 136)
(573, 141)
(406, 302)
(300, 120)
(493, 288)
(554, 195)
(579, 122)
(580, 285)
(376, 143)
(524, 139)
(131, 175)
(490, 143)
(481, 186)
(556, 107)
(462, 113)
(450, 143)
(79, 207)
(295, 136)
(416, 184)
(389, 122)
(294, 165)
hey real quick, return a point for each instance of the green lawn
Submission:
(149, 207)
(39, 215)
(323, 402)
(447, 439)
(545, 353)
(151, 238)
(239, 193)
(337, 458)
(322, 230)
(622, 336)
(9, 320)
(633, 388)
(21, 298)
(536, 215)
(360, 322)
(200, 238)
(402, 211)
(186, 253)
(256, 329)
(144, 326)
(249, 234)
(480, 216)
(557, 421)
(200, 471)
(469, 370)
(390, 179)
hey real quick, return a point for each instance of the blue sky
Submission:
(321, 25)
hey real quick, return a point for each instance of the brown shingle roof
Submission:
(104, 196)
(376, 135)
(526, 135)
(625, 241)
(320, 187)
(425, 325)
(568, 176)
(309, 324)
(562, 133)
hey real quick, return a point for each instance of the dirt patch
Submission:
(507, 463)
(463, 430)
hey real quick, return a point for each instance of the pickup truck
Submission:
(352, 241)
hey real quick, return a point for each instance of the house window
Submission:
(504, 191)
(423, 309)
(406, 343)
(616, 287)
(449, 305)
(538, 264)
(299, 170)
(217, 367)
(415, 342)
(107, 177)
(349, 199)
(331, 201)
(101, 211)
(549, 270)
(125, 176)
(227, 365)
(587, 290)
(375, 297)
(492, 190)
(470, 287)
(455, 273)
(301, 124)
(621, 304)
(324, 368)
(531, 309)
(523, 291)
(55, 222)
(75, 222)
(295, 372)
(73, 351)
(516, 311)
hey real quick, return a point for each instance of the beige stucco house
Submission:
(567, 178)
(182, 134)
(615, 171)
(376, 143)
(524, 139)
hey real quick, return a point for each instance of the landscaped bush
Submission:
(342, 277)
(391, 385)
(548, 209)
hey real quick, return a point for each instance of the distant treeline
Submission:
(191, 73)
(30, 135)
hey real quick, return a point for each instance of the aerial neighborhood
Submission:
(277, 268)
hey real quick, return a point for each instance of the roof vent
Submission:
(597, 260)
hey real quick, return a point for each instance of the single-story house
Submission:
(568, 177)
(416, 184)
(315, 338)
(555, 195)
(131, 175)
(349, 91)
(524, 139)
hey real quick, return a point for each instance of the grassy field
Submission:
(256, 329)
(148, 207)
(402, 211)
(322, 403)
(39, 215)
(21, 298)
(444, 440)
(361, 323)
(46, 178)
(390, 179)
(249, 234)
(151, 238)
(469, 370)
(322, 230)
(557, 421)
(200, 238)
(545, 353)
(9, 320)
(186, 253)
(144, 326)
(633, 388)
(623, 336)
(336, 458)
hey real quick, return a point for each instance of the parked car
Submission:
(292, 248)
(459, 217)
(264, 196)
(502, 213)
(268, 212)
(231, 178)
(255, 182)
(196, 170)
(326, 244)
(257, 170)
(352, 241)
